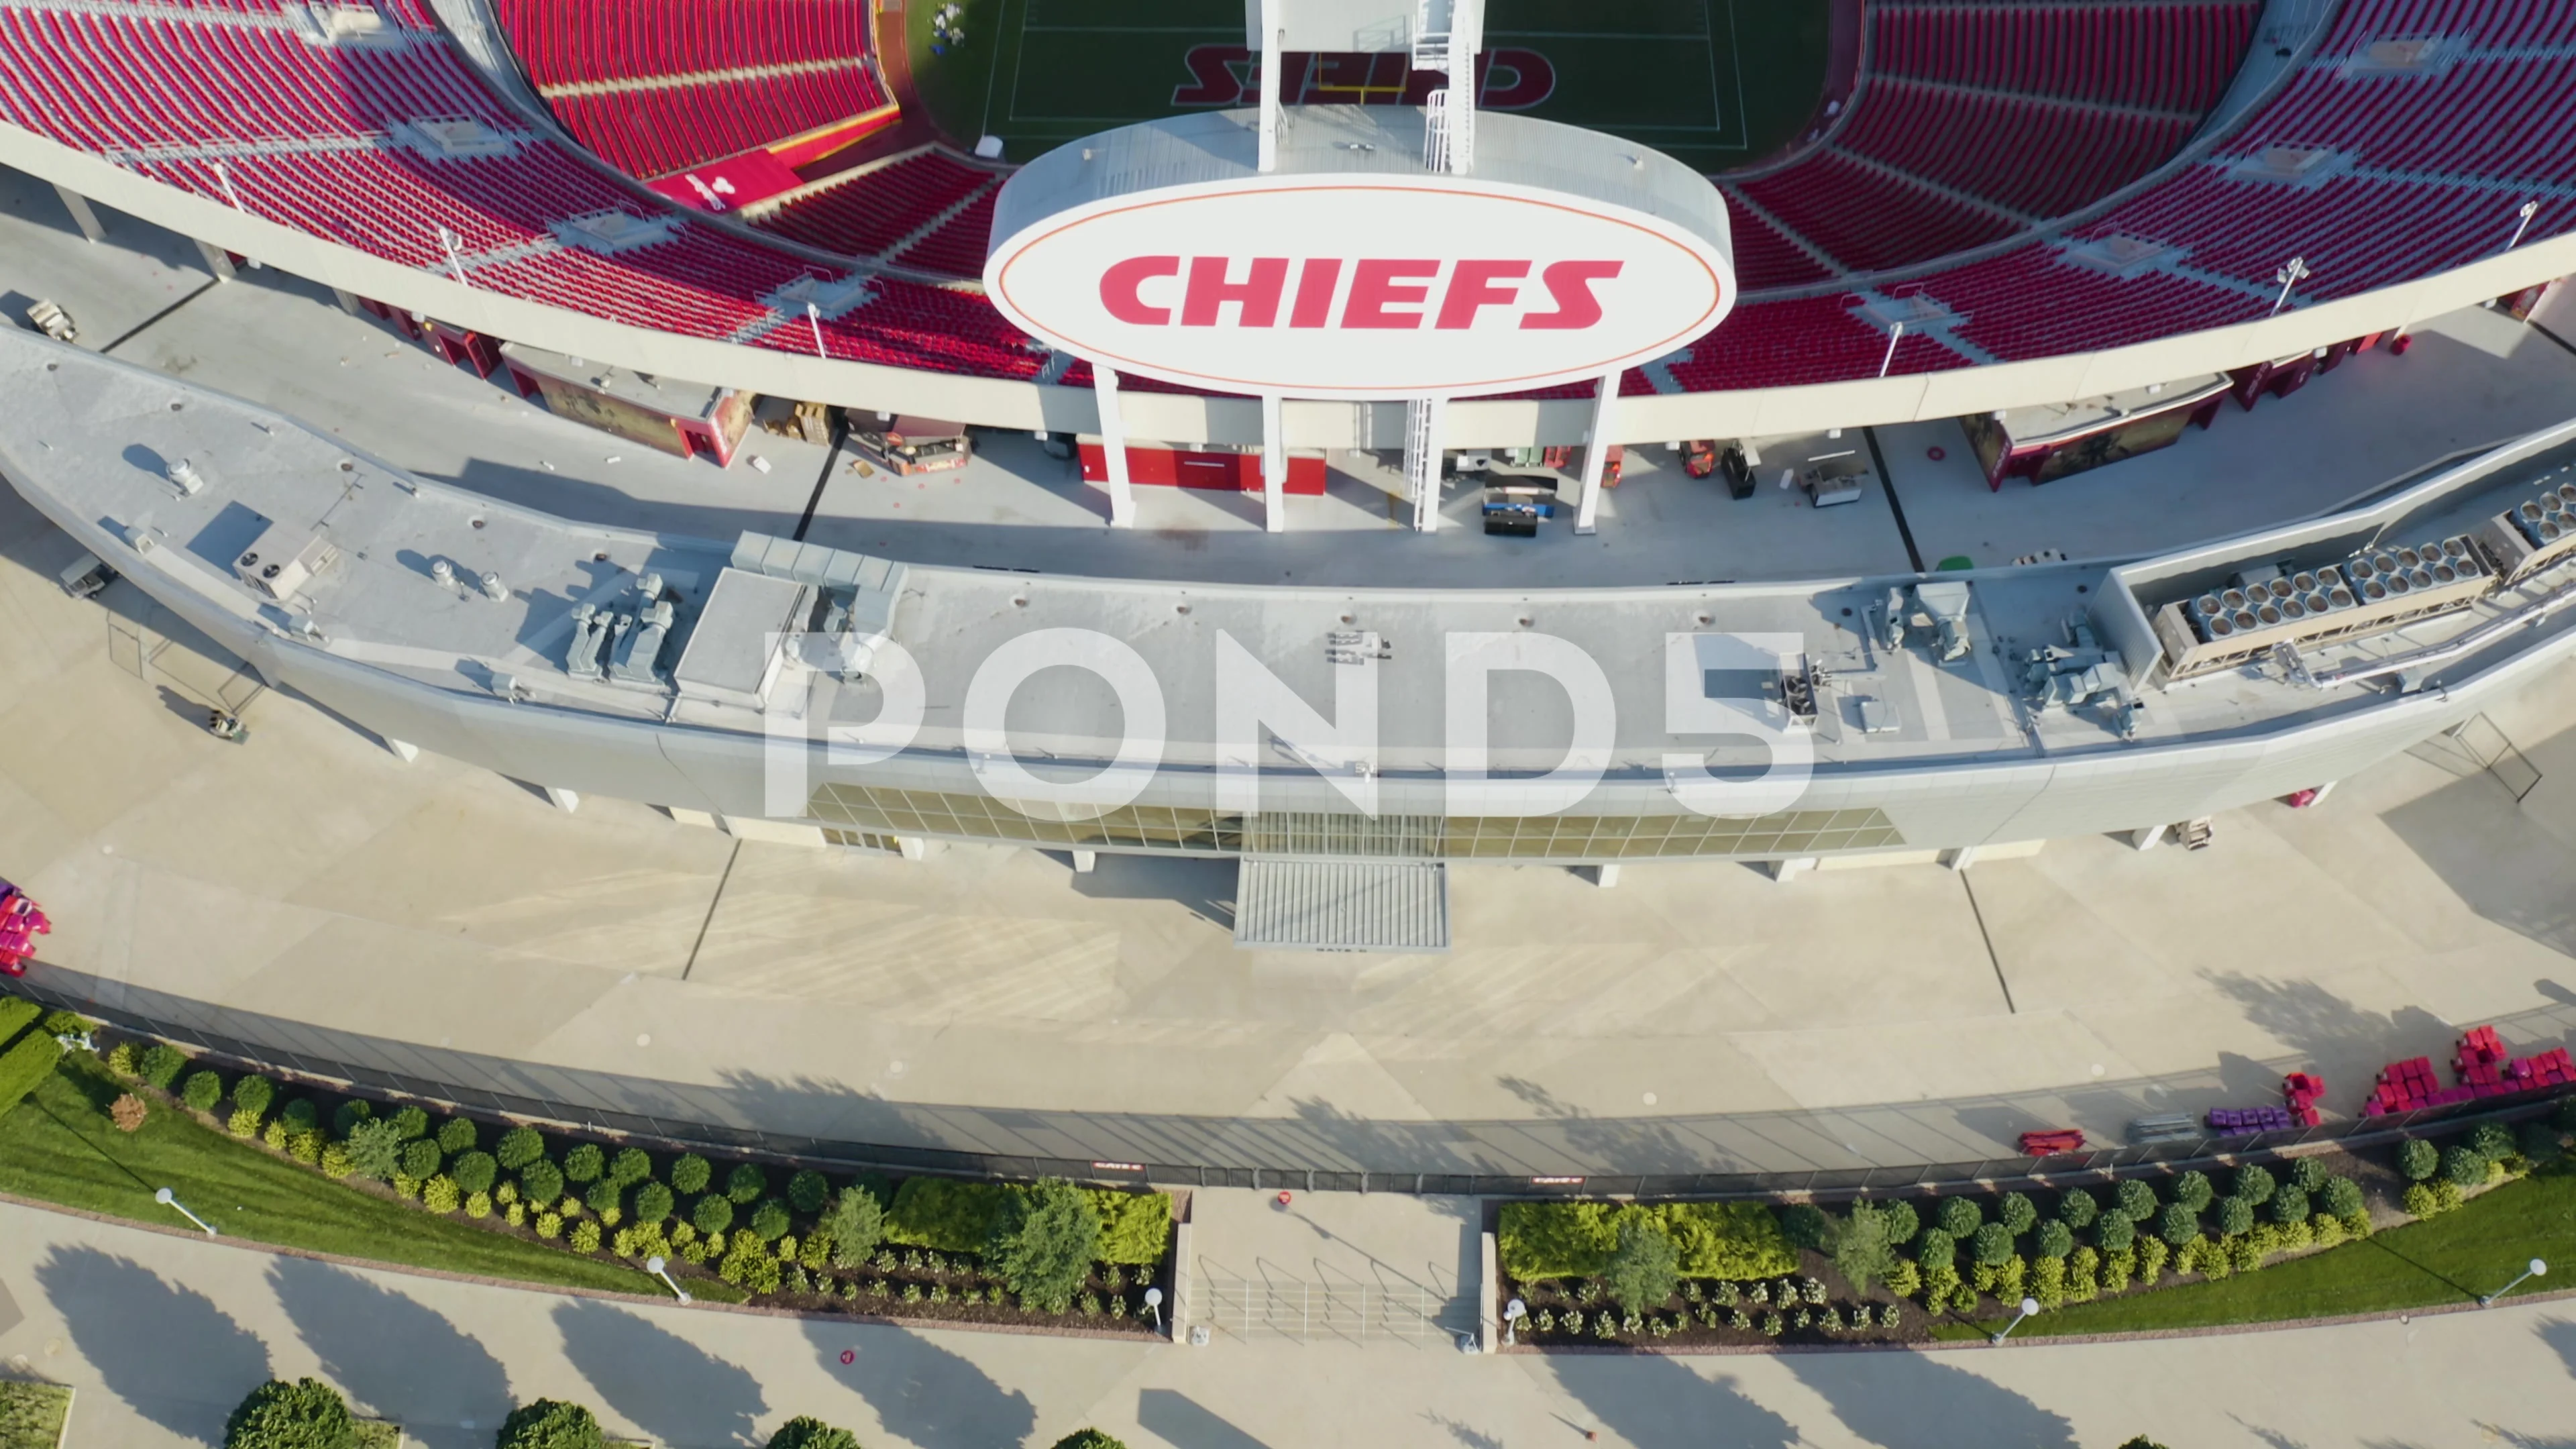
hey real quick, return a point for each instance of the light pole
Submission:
(1513, 1313)
(2529, 210)
(654, 1265)
(2533, 1269)
(2029, 1306)
(168, 1199)
(1895, 335)
(1154, 1306)
(814, 320)
(2290, 275)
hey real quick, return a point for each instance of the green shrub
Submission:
(691, 1174)
(1959, 1217)
(458, 1134)
(375, 1151)
(122, 1061)
(519, 1147)
(1088, 1439)
(1045, 1244)
(769, 1221)
(2341, 1197)
(336, 1161)
(808, 1190)
(803, 1432)
(749, 1265)
(652, 1203)
(478, 1205)
(202, 1090)
(439, 1194)
(254, 1095)
(1805, 1225)
(2538, 1143)
(950, 1216)
(2254, 1184)
(2179, 1224)
(2289, 1205)
(746, 1183)
(2235, 1215)
(17, 1014)
(2114, 1231)
(2492, 1140)
(713, 1214)
(346, 1117)
(2055, 1240)
(604, 1197)
(550, 1424)
(24, 1065)
(2152, 1255)
(2420, 1201)
(2464, 1166)
(1903, 1222)
(629, 1166)
(2078, 1209)
(541, 1181)
(2017, 1213)
(1861, 1249)
(162, 1065)
(1574, 1239)
(1936, 1249)
(420, 1157)
(409, 1123)
(2137, 1198)
(2418, 1159)
(305, 1147)
(476, 1171)
(2193, 1191)
(2308, 1174)
(1992, 1243)
(1135, 1227)
(66, 1023)
(584, 1163)
(1644, 1269)
(2565, 1115)
(584, 1237)
(300, 1115)
(305, 1414)
(856, 1223)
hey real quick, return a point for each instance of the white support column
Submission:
(1085, 861)
(1962, 858)
(1596, 451)
(1466, 37)
(218, 261)
(1113, 448)
(564, 800)
(1424, 424)
(403, 750)
(1271, 61)
(348, 301)
(1274, 467)
(1605, 876)
(82, 215)
(2147, 837)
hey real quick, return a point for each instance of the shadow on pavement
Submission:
(393, 1357)
(662, 1383)
(1184, 1423)
(2560, 1335)
(180, 1361)
(1651, 1399)
(1916, 1401)
(932, 1397)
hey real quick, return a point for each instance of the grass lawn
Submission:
(59, 1146)
(31, 1415)
(1717, 83)
(2451, 1259)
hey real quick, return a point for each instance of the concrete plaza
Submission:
(161, 1335)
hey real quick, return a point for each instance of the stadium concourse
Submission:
(2095, 201)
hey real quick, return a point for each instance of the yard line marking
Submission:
(1735, 54)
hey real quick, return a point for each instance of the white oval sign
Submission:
(1360, 286)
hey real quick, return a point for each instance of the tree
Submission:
(2017, 1213)
(2342, 1197)
(1959, 1216)
(2193, 1191)
(1863, 1247)
(2056, 1240)
(1644, 1269)
(584, 1163)
(411, 1122)
(1936, 1249)
(2308, 1174)
(769, 1221)
(808, 1190)
(1993, 1243)
(1043, 1246)
(1903, 1222)
(652, 1203)
(2077, 1209)
(2138, 1199)
(550, 1424)
(202, 1090)
(2464, 1167)
(691, 1173)
(2289, 1205)
(856, 1224)
(630, 1166)
(805, 1432)
(456, 1134)
(2418, 1159)
(713, 1214)
(540, 1181)
(2235, 1217)
(305, 1414)
(476, 1171)
(2492, 1140)
(375, 1149)
(2254, 1184)
(519, 1147)
(2114, 1231)
(1088, 1439)
(745, 1184)
(1805, 1225)
(2179, 1225)
(420, 1158)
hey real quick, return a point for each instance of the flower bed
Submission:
(729, 1230)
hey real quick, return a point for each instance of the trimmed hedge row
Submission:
(947, 1215)
(1737, 1240)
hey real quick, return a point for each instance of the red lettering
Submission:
(1119, 285)
(1315, 283)
(1533, 79)
(1378, 282)
(1257, 295)
(1471, 286)
(1569, 285)
(1213, 78)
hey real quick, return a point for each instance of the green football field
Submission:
(1716, 83)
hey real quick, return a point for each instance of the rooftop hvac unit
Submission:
(283, 560)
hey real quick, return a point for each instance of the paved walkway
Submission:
(162, 1335)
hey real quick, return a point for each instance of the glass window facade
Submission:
(1409, 837)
